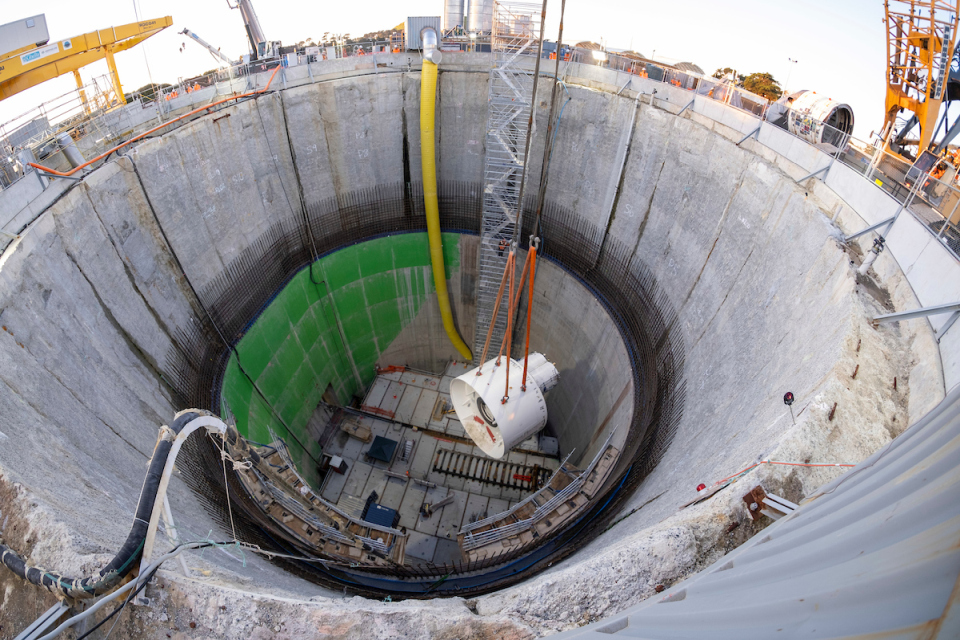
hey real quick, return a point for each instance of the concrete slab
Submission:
(452, 516)
(357, 479)
(457, 368)
(391, 400)
(476, 507)
(496, 505)
(429, 525)
(445, 384)
(379, 427)
(423, 458)
(333, 485)
(377, 391)
(393, 492)
(420, 546)
(410, 506)
(408, 403)
(448, 552)
(377, 481)
(420, 380)
(513, 495)
(337, 443)
(491, 490)
(423, 411)
(454, 428)
(353, 449)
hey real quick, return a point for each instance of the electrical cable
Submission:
(132, 548)
(126, 601)
(132, 584)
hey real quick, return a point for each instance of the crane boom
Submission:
(920, 35)
(215, 52)
(21, 70)
(251, 23)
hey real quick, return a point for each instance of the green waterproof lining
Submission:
(294, 349)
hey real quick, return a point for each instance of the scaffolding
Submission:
(515, 37)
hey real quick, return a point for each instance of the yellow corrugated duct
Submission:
(428, 164)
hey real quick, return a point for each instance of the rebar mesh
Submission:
(641, 311)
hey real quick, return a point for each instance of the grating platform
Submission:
(412, 409)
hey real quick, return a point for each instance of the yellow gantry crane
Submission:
(920, 42)
(32, 65)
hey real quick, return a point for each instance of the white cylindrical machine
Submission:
(810, 111)
(453, 14)
(496, 426)
(480, 16)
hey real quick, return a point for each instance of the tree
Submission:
(727, 71)
(763, 84)
(148, 92)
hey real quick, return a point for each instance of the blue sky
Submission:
(840, 45)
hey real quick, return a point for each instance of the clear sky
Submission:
(839, 44)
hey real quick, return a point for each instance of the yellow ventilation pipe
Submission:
(428, 164)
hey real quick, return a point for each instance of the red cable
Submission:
(789, 464)
(532, 257)
(506, 387)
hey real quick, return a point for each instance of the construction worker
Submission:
(553, 55)
(501, 247)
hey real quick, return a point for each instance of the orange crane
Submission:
(920, 45)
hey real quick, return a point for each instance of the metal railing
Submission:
(937, 204)
(475, 540)
(95, 123)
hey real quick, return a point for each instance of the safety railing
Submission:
(99, 129)
(473, 540)
(936, 203)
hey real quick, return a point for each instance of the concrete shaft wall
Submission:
(102, 302)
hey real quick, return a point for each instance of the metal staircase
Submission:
(516, 32)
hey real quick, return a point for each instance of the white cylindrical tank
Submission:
(453, 13)
(496, 427)
(809, 111)
(70, 150)
(480, 16)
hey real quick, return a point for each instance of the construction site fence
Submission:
(937, 199)
(94, 121)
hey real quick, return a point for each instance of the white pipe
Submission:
(430, 40)
(122, 590)
(871, 258)
(206, 420)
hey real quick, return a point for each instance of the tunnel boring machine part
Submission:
(498, 427)
(428, 164)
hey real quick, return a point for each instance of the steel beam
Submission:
(919, 313)
(868, 229)
(752, 134)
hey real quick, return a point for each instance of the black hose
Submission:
(129, 553)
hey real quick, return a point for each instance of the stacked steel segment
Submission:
(516, 31)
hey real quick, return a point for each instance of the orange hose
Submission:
(523, 278)
(54, 172)
(493, 319)
(532, 257)
(511, 261)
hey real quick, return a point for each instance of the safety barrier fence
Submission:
(936, 203)
(474, 540)
(95, 126)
